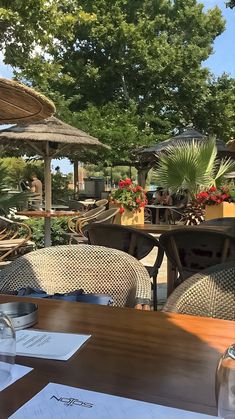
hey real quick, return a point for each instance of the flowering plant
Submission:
(129, 196)
(214, 196)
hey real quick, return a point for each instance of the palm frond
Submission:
(191, 166)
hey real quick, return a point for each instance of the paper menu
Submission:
(50, 345)
(18, 371)
(63, 402)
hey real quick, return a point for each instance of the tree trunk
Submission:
(142, 175)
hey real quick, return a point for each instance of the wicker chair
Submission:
(14, 239)
(75, 224)
(61, 269)
(106, 217)
(210, 293)
(101, 202)
(194, 249)
(129, 240)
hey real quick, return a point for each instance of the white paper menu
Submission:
(50, 345)
(18, 371)
(63, 402)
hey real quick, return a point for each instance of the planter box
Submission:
(225, 209)
(129, 217)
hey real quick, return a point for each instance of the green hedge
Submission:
(59, 228)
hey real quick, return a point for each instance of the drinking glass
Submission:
(7, 349)
(225, 384)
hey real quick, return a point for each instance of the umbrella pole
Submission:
(47, 179)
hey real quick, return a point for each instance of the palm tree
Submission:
(191, 167)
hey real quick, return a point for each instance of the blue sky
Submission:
(222, 60)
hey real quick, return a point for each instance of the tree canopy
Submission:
(127, 71)
(231, 4)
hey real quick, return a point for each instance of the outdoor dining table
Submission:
(167, 209)
(163, 358)
(163, 228)
(47, 215)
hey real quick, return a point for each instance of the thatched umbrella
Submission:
(186, 137)
(19, 103)
(50, 139)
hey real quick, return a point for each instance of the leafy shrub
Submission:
(58, 230)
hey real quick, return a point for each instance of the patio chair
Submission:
(75, 224)
(210, 293)
(194, 249)
(106, 217)
(129, 240)
(14, 239)
(101, 202)
(95, 269)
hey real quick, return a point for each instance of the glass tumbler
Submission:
(225, 384)
(7, 349)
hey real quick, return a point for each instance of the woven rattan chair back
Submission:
(107, 217)
(101, 202)
(193, 249)
(129, 240)
(92, 213)
(210, 293)
(95, 269)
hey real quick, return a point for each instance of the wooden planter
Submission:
(225, 209)
(129, 217)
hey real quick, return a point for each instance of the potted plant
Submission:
(131, 200)
(218, 202)
(191, 167)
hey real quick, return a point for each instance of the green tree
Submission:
(114, 60)
(216, 113)
(18, 169)
(231, 4)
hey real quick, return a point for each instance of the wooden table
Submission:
(47, 215)
(163, 228)
(169, 359)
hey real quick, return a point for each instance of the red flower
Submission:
(121, 210)
(213, 198)
(121, 184)
(138, 200)
(212, 189)
(128, 181)
(225, 196)
(138, 188)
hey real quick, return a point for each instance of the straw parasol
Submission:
(50, 139)
(19, 103)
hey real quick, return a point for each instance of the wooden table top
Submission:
(163, 228)
(169, 359)
(48, 214)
